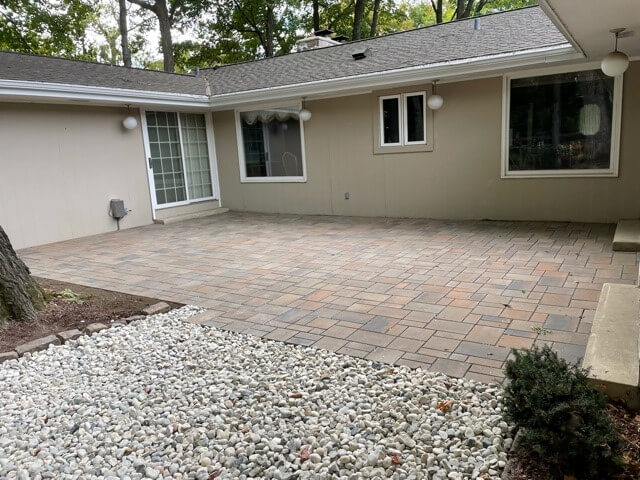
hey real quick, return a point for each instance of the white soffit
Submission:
(587, 24)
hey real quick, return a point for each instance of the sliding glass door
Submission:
(179, 157)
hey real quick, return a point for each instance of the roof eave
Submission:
(456, 69)
(19, 90)
(61, 92)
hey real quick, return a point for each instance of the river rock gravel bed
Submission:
(165, 399)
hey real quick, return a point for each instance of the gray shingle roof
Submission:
(17, 66)
(499, 33)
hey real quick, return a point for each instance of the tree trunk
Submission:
(20, 295)
(358, 14)
(316, 15)
(268, 47)
(437, 8)
(165, 35)
(124, 33)
(374, 18)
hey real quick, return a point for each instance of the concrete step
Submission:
(613, 349)
(627, 237)
(191, 216)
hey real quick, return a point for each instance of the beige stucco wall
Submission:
(60, 165)
(459, 179)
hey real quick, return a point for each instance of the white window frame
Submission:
(242, 165)
(211, 150)
(612, 171)
(403, 118)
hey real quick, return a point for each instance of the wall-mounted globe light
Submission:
(615, 63)
(435, 101)
(130, 122)
(305, 115)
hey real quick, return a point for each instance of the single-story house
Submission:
(529, 128)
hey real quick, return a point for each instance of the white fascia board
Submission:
(456, 69)
(441, 71)
(83, 93)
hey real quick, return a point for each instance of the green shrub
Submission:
(563, 420)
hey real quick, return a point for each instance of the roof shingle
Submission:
(500, 33)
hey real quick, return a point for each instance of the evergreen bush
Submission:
(564, 421)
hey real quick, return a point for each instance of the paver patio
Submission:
(447, 296)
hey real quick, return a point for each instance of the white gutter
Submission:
(58, 92)
(84, 93)
(442, 71)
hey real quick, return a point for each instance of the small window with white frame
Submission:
(558, 124)
(403, 119)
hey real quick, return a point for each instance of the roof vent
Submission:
(360, 54)
(476, 24)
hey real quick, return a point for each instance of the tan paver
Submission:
(443, 295)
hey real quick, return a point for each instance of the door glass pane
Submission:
(166, 157)
(196, 155)
(561, 122)
(390, 120)
(272, 142)
(415, 118)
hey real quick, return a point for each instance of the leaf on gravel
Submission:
(304, 454)
(445, 405)
(296, 395)
(395, 459)
(245, 429)
(214, 474)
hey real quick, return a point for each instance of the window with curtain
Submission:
(179, 156)
(271, 143)
(561, 122)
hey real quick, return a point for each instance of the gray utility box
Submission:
(117, 208)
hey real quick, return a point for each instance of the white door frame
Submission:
(213, 162)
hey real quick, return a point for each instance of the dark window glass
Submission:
(561, 122)
(272, 143)
(415, 118)
(390, 120)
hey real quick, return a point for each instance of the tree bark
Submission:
(358, 15)
(159, 7)
(374, 18)
(316, 15)
(20, 295)
(124, 33)
(268, 48)
(165, 35)
(437, 8)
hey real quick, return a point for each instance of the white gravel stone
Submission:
(161, 398)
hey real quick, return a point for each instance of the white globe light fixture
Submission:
(615, 63)
(305, 115)
(130, 122)
(435, 101)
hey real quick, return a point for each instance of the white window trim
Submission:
(213, 164)
(400, 120)
(403, 124)
(405, 118)
(612, 171)
(241, 159)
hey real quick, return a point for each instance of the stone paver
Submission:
(454, 296)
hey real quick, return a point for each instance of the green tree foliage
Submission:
(563, 420)
(55, 27)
